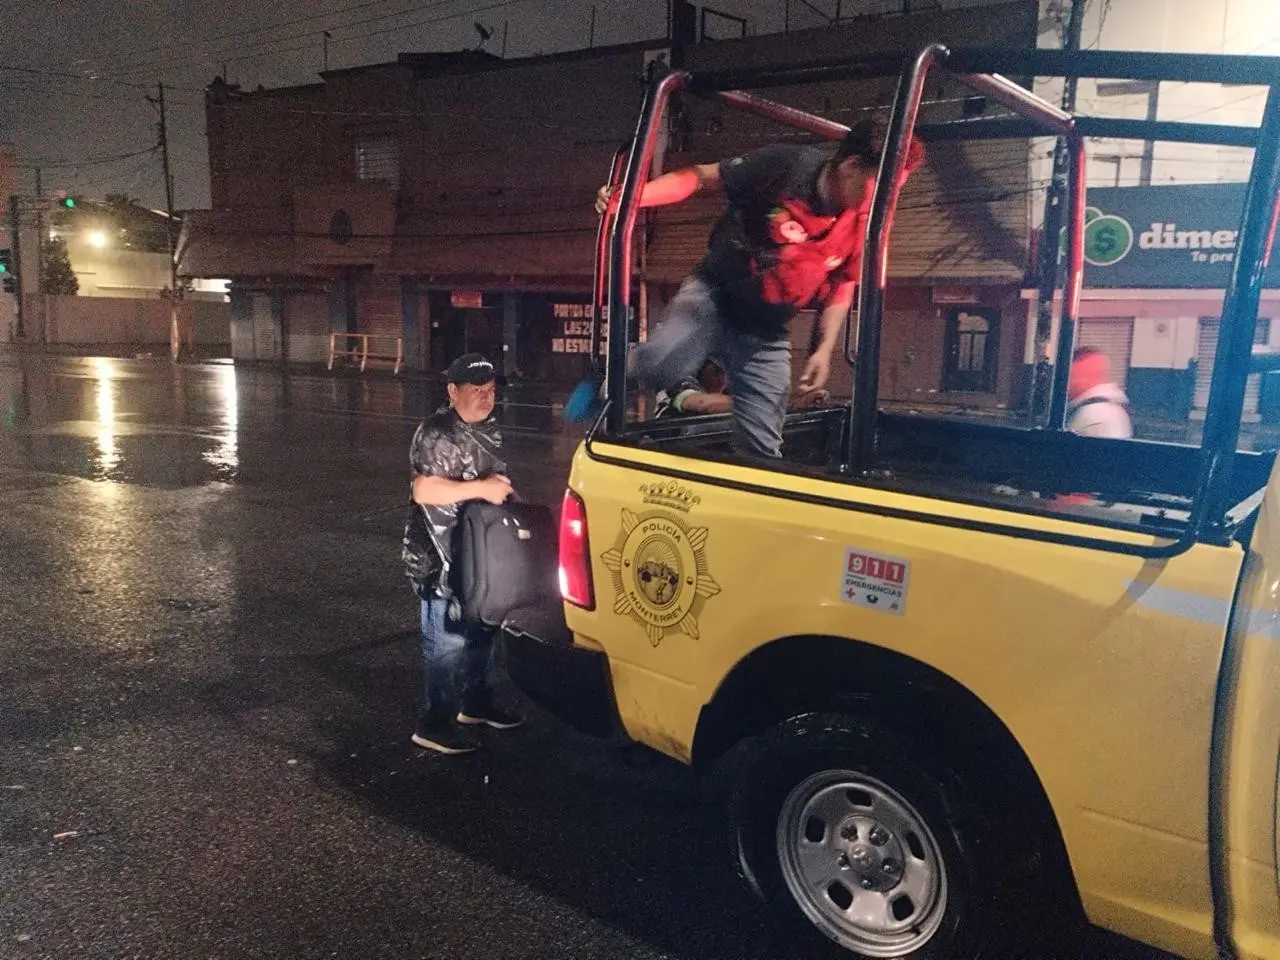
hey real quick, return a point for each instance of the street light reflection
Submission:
(226, 456)
(108, 453)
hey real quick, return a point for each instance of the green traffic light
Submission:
(69, 203)
(4, 268)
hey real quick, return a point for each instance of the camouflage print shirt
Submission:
(445, 446)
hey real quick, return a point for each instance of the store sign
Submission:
(573, 324)
(955, 295)
(1181, 235)
(466, 299)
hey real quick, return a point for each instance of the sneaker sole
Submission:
(483, 722)
(440, 747)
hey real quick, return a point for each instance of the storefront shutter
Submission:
(1206, 350)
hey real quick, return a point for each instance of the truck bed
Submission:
(1127, 483)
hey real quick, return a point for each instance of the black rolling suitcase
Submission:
(506, 559)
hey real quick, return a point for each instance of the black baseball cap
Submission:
(471, 368)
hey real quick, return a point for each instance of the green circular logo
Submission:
(1107, 240)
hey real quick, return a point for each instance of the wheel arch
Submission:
(805, 673)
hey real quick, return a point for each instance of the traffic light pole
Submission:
(15, 244)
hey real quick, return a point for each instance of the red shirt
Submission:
(778, 249)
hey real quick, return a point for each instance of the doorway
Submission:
(971, 350)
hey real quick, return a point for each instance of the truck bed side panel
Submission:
(1102, 665)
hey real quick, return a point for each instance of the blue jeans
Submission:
(759, 369)
(455, 663)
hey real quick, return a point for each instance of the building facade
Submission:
(447, 199)
(443, 198)
(1159, 249)
(1157, 260)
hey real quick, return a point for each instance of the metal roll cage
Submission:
(981, 71)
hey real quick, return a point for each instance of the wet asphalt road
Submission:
(208, 661)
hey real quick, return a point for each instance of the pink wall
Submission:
(105, 320)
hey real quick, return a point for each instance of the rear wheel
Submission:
(860, 841)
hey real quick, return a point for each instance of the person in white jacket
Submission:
(1096, 406)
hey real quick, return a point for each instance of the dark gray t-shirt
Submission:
(778, 248)
(445, 446)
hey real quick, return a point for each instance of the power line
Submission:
(112, 182)
(234, 34)
(85, 161)
(375, 33)
(233, 55)
(31, 86)
(35, 87)
(40, 72)
(1222, 106)
(84, 78)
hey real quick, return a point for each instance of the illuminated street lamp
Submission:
(97, 239)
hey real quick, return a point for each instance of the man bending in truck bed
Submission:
(790, 238)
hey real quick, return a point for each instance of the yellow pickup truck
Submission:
(956, 691)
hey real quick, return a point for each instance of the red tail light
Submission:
(575, 554)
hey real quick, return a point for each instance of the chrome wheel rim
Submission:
(861, 863)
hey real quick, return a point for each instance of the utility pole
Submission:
(326, 52)
(15, 244)
(40, 241)
(175, 338)
(1050, 260)
(40, 225)
(1151, 90)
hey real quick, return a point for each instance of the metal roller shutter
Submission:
(307, 323)
(266, 334)
(1114, 338)
(379, 309)
(962, 216)
(241, 326)
(679, 236)
(1206, 350)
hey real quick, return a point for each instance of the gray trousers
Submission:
(759, 370)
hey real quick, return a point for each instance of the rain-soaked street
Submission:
(208, 662)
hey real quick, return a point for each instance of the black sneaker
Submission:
(443, 736)
(490, 716)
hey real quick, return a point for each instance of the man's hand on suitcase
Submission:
(495, 489)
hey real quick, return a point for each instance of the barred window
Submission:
(378, 158)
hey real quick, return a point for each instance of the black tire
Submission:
(800, 755)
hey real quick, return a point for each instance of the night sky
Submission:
(95, 135)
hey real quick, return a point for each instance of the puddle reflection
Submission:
(150, 422)
(225, 457)
(108, 453)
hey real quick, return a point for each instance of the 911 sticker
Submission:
(875, 581)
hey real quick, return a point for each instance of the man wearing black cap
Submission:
(456, 456)
(790, 239)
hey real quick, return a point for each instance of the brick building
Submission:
(447, 198)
